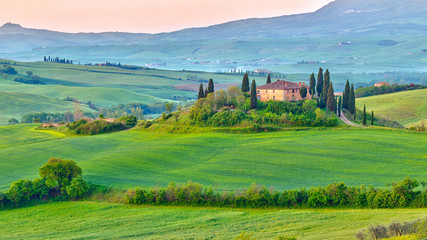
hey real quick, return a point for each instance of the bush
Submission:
(20, 191)
(226, 118)
(77, 188)
(129, 121)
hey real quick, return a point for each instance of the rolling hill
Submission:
(408, 108)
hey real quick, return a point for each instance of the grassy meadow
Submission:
(408, 107)
(94, 220)
(283, 160)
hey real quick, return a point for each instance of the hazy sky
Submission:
(149, 16)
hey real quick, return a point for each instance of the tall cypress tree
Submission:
(339, 106)
(268, 79)
(351, 101)
(206, 92)
(312, 85)
(201, 92)
(331, 98)
(319, 87)
(372, 118)
(345, 95)
(211, 86)
(254, 100)
(364, 115)
(326, 81)
(245, 83)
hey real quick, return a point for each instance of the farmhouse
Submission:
(281, 91)
(380, 84)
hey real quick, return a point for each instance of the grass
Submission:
(408, 108)
(93, 220)
(283, 160)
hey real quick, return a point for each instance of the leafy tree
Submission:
(29, 73)
(21, 190)
(346, 95)
(268, 79)
(312, 85)
(211, 86)
(78, 188)
(364, 115)
(101, 116)
(303, 91)
(12, 121)
(169, 107)
(331, 98)
(319, 87)
(201, 92)
(59, 173)
(245, 83)
(129, 121)
(372, 119)
(254, 99)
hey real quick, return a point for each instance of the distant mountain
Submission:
(341, 17)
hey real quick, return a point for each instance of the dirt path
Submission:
(348, 121)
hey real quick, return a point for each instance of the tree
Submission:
(319, 87)
(206, 92)
(59, 173)
(169, 107)
(254, 100)
(331, 98)
(211, 86)
(339, 106)
(12, 121)
(303, 91)
(351, 100)
(29, 73)
(312, 85)
(21, 190)
(326, 81)
(268, 79)
(372, 119)
(201, 92)
(346, 95)
(245, 83)
(78, 188)
(101, 116)
(364, 115)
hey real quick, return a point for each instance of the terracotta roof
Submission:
(281, 85)
(382, 83)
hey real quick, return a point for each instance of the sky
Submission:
(143, 16)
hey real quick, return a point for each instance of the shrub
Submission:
(227, 118)
(129, 121)
(77, 188)
(59, 173)
(20, 191)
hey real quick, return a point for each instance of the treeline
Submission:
(50, 117)
(336, 195)
(33, 80)
(372, 90)
(136, 109)
(57, 60)
(418, 228)
(100, 126)
(59, 180)
(7, 69)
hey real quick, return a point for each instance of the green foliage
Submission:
(20, 191)
(417, 228)
(201, 92)
(339, 106)
(319, 86)
(352, 101)
(331, 100)
(372, 90)
(312, 85)
(254, 99)
(169, 107)
(12, 121)
(9, 70)
(77, 188)
(364, 115)
(303, 91)
(101, 116)
(226, 118)
(346, 95)
(245, 83)
(59, 173)
(268, 79)
(129, 121)
(33, 80)
(211, 88)
(325, 93)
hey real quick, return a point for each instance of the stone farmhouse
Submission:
(380, 84)
(281, 91)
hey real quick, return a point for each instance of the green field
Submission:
(283, 160)
(92, 220)
(408, 108)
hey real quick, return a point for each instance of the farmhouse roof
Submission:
(383, 83)
(281, 85)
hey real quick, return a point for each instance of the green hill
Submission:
(283, 160)
(408, 108)
(93, 220)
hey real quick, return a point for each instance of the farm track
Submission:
(344, 119)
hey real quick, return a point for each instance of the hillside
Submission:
(408, 108)
(103, 220)
(283, 160)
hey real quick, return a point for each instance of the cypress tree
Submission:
(326, 82)
(336, 104)
(364, 115)
(331, 98)
(254, 100)
(268, 79)
(201, 92)
(351, 99)
(245, 83)
(319, 87)
(345, 95)
(372, 118)
(206, 92)
(339, 106)
(312, 85)
(211, 86)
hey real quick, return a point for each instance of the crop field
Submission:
(408, 108)
(283, 160)
(93, 220)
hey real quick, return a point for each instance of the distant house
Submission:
(281, 91)
(381, 84)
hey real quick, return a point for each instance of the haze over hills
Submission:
(346, 34)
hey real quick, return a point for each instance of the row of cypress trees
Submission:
(349, 99)
(210, 89)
